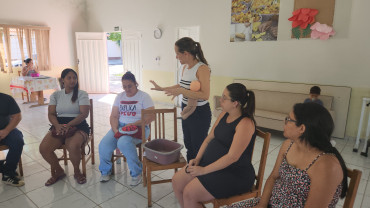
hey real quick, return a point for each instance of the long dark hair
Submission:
(238, 92)
(75, 89)
(194, 48)
(319, 127)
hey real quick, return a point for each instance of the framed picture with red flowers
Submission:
(316, 10)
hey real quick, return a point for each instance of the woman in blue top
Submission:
(195, 67)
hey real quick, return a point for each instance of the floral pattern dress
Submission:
(291, 189)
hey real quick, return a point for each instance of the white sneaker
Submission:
(136, 180)
(104, 178)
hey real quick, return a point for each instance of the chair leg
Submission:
(83, 164)
(92, 152)
(28, 97)
(65, 156)
(112, 159)
(20, 167)
(144, 174)
(149, 187)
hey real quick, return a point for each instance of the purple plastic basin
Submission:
(163, 151)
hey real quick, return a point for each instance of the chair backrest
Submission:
(261, 170)
(355, 176)
(91, 117)
(158, 126)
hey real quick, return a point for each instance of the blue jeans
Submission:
(127, 145)
(15, 142)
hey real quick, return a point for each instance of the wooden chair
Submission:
(257, 188)
(84, 158)
(24, 94)
(4, 147)
(355, 176)
(158, 131)
(117, 154)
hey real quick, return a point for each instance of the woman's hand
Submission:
(59, 128)
(156, 86)
(173, 92)
(196, 170)
(194, 162)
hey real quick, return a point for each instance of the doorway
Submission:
(115, 63)
(92, 53)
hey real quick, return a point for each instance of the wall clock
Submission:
(157, 33)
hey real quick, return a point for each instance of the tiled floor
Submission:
(117, 192)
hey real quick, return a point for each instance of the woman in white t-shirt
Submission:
(68, 109)
(126, 112)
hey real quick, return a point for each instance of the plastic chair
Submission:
(4, 147)
(257, 188)
(84, 159)
(158, 131)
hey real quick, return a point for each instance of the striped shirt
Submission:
(188, 76)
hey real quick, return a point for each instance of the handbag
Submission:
(71, 131)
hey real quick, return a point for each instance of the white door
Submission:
(131, 54)
(92, 62)
(193, 33)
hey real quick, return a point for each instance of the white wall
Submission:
(63, 17)
(342, 60)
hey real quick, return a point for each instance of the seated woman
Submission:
(309, 171)
(126, 112)
(68, 109)
(222, 167)
(29, 68)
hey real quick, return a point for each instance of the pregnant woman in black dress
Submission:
(223, 166)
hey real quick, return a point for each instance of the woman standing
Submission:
(195, 67)
(68, 109)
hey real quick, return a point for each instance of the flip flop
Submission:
(80, 178)
(53, 180)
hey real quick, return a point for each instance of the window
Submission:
(18, 43)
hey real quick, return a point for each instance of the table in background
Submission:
(34, 84)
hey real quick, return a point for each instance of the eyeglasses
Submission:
(223, 97)
(287, 119)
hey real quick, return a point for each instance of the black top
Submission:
(8, 107)
(238, 177)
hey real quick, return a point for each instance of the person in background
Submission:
(67, 112)
(314, 95)
(194, 67)
(10, 116)
(309, 171)
(29, 68)
(223, 165)
(126, 115)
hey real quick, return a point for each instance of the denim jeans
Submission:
(127, 145)
(15, 142)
